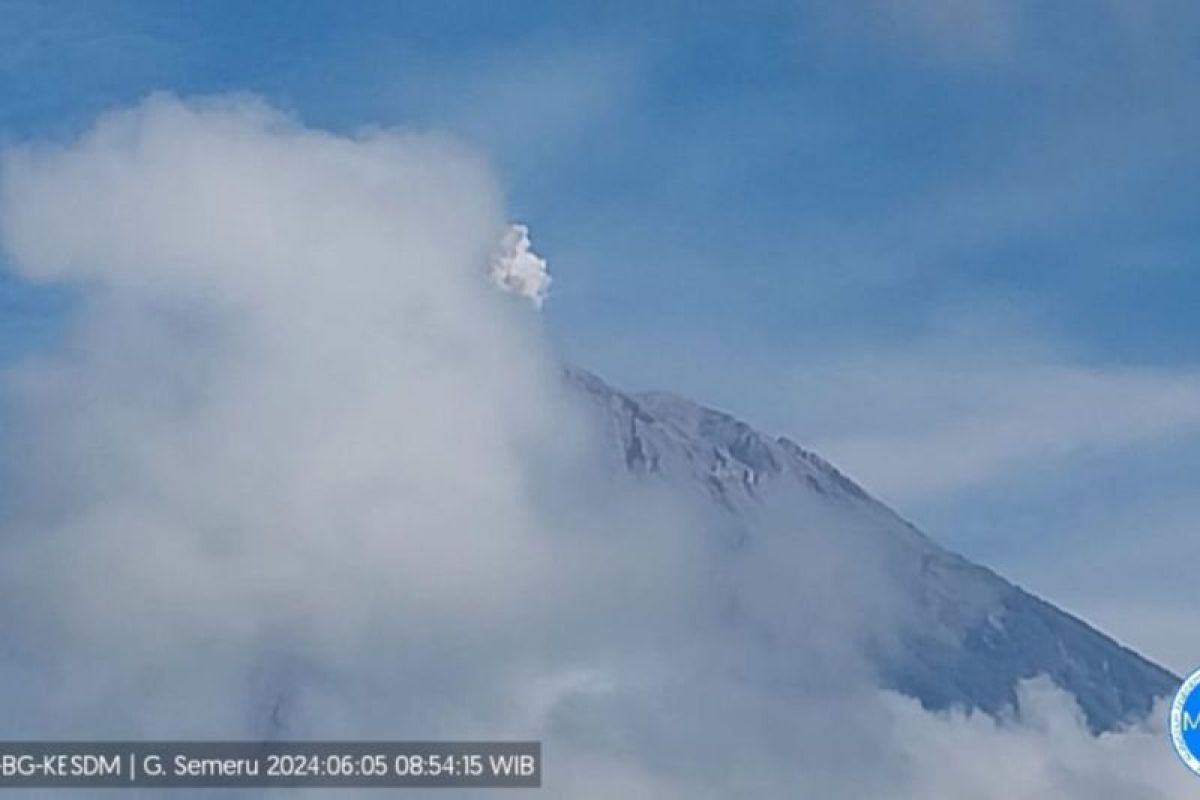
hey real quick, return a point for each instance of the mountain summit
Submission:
(972, 636)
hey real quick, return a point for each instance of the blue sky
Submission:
(951, 244)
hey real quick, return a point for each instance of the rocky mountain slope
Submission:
(973, 636)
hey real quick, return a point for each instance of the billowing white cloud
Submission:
(298, 468)
(1051, 754)
(516, 268)
(291, 412)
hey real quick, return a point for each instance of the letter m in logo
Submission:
(1191, 722)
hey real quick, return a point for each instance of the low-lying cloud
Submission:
(298, 469)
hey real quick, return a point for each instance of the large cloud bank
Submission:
(298, 469)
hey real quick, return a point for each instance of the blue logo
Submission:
(1185, 722)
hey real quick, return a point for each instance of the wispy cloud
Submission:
(923, 427)
(967, 33)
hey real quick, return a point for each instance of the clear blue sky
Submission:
(952, 244)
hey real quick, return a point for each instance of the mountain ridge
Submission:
(978, 635)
